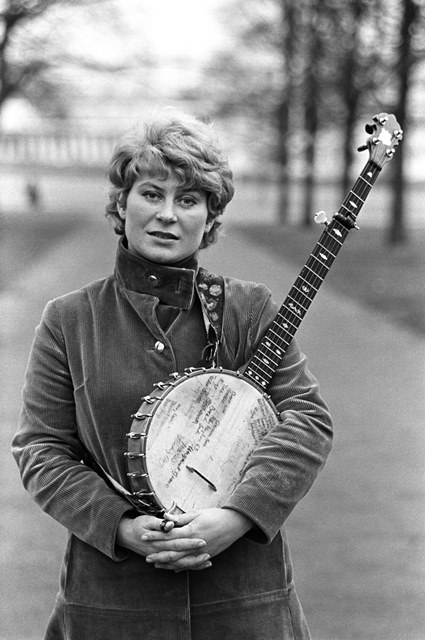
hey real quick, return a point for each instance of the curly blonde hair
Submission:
(178, 143)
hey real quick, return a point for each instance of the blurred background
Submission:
(290, 85)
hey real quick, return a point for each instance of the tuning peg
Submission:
(321, 218)
(363, 147)
(398, 133)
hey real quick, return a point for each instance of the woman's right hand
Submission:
(183, 553)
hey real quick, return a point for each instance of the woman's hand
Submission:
(219, 528)
(181, 552)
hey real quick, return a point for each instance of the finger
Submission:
(166, 557)
(152, 523)
(178, 562)
(173, 534)
(205, 565)
(184, 546)
(176, 569)
(165, 525)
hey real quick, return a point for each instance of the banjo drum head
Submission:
(201, 433)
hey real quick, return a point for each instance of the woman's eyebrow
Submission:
(150, 183)
(184, 189)
(156, 184)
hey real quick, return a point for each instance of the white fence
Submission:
(56, 150)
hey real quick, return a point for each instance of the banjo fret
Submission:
(283, 320)
(294, 297)
(304, 291)
(326, 249)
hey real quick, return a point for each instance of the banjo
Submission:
(193, 435)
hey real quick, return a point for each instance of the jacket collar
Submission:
(173, 286)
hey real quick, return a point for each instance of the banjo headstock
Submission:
(385, 134)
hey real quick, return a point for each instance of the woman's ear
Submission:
(209, 225)
(121, 211)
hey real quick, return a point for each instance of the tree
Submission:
(409, 51)
(379, 45)
(35, 44)
(319, 61)
(310, 54)
(355, 75)
(332, 64)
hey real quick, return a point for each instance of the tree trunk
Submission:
(397, 233)
(309, 179)
(283, 110)
(348, 156)
(311, 111)
(282, 118)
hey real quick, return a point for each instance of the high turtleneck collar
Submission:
(173, 286)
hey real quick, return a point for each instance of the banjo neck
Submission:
(268, 355)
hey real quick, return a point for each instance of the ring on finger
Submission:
(162, 525)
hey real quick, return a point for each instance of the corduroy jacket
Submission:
(96, 352)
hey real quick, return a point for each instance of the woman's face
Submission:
(164, 222)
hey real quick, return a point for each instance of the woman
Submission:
(214, 573)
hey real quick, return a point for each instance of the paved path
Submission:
(358, 537)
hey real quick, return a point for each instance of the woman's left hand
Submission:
(220, 528)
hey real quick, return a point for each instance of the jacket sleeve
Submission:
(285, 464)
(49, 452)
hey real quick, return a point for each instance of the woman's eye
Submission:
(151, 195)
(188, 201)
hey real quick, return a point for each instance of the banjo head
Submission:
(192, 437)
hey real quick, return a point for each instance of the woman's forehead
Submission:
(168, 177)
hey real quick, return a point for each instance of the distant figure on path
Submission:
(33, 194)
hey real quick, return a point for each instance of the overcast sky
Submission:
(185, 28)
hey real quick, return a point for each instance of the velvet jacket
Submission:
(96, 352)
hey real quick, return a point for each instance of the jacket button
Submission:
(159, 346)
(153, 281)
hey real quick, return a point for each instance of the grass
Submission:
(388, 280)
(24, 238)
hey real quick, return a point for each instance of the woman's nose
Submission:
(166, 212)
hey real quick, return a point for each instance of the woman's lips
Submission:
(163, 235)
